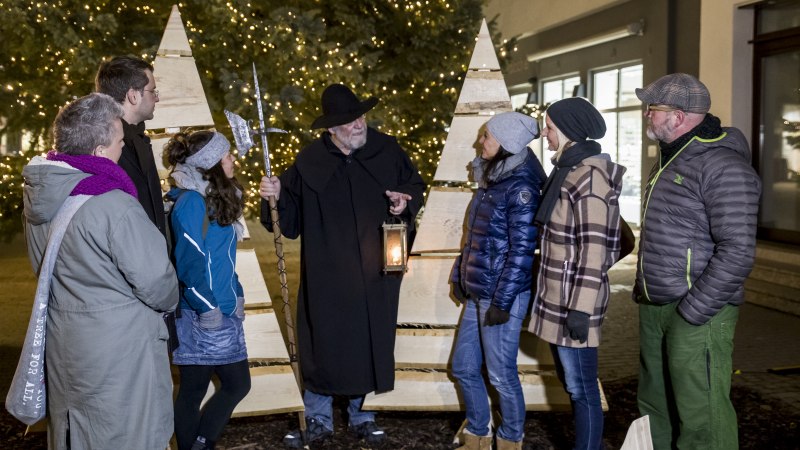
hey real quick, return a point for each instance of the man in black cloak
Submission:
(337, 194)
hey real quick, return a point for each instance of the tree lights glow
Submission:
(411, 55)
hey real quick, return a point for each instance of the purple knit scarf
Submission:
(106, 174)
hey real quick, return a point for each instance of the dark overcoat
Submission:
(139, 163)
(347, 306)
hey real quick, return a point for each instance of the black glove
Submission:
(495, 316)
(578, 325)
(460, 294)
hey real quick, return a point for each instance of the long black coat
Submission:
(139, 163)
(347, 306)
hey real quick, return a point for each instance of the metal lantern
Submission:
(395, 251)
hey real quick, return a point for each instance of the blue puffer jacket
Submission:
(205, 260)
(501, 238)
(698, 236)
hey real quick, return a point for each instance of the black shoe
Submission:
(315, 432)
(370, 432)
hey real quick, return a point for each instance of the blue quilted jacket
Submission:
(501, 237)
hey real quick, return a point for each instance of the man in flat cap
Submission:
(697, 247)
(337, 194)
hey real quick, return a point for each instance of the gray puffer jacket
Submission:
(698, 233)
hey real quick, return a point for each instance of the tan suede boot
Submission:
(503, 444)
(472, 442)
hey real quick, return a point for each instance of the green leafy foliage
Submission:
(411, 55)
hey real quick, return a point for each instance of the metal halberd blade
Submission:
(243, 132)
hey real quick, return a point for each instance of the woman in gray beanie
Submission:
(493, 277)
(580, 228)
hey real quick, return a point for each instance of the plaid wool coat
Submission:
(579, 243)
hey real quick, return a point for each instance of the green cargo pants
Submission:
(685, 378)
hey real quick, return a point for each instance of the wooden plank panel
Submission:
(263, 337)
(426, 348)
(425, 293)
(460, 148)
(256, 294)
(483, 87)
(484, 55)
(436, 391)
(273, 391)
(442, 224)
(174, 40)
(182, 102)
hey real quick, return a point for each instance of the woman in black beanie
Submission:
(580, 240)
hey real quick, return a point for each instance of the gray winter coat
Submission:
(108, 375)
(698, 233)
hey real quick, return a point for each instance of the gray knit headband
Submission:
(211, 153)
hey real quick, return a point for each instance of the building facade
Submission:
(746, 52)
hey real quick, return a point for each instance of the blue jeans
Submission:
(320, 408)
(497, 346)
(577, 370)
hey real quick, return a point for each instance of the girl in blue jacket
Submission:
(493, 277)
(204, 230)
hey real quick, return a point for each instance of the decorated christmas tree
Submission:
(411, 55)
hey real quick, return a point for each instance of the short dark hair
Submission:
(86, 123)
(120, 74)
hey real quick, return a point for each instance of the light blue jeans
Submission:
(320, 408)
(497, 346)
(577, 370)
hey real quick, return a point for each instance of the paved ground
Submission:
(765, 339)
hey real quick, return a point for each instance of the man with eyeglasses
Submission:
(130, 81)
(696, 249)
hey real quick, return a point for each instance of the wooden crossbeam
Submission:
(256, 294)
(436, 391)
(432, 348)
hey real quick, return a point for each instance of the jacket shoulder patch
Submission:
(525, 196)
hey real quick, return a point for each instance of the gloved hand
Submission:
(495, 316)
(239, 311)
(578, 325)
(459, 292)
(210, 320)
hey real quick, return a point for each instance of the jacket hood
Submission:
(47, 185)
(613, 172)
(732, 139)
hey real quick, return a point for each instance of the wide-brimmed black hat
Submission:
(341, 106)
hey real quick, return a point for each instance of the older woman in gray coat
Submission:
(108, 376)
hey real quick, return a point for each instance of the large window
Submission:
(554, 90)
(614, 95)
(777, 129)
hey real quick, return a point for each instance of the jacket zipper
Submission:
(689, 267)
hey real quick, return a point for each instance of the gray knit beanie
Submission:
(577, 118)
(513, 130)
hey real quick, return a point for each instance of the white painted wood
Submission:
(483, 92)
(460, 148)
(174, 40)
(432, 348)
(182, 101)
(638, 436)
(157, 143)
(425, 293)
(273, 390)
(263, 337)
(437, 391)
(255, 289)
(484, 56)
(443, 221)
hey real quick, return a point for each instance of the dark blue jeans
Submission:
(577, 370)
(497, 345)
(320, 408)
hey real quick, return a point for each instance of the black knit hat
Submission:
(341, 106)
(577, 118)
